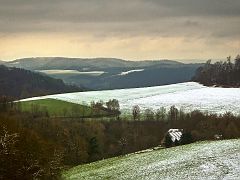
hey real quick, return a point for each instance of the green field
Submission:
(60, 108)
(202, 160)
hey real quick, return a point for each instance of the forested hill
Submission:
(20, 83)
(109, 73)
(225, 74)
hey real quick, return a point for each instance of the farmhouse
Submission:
(218, 136)
(172, 137)
(175, 134)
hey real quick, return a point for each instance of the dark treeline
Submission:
(41, 147)
(20, 83)
(226, 74)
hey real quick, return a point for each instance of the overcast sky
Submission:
(129, 29)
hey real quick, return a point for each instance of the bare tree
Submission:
(161, 114)
(136, 112)
(149, 115)
(113, 105)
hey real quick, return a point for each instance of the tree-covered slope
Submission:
(221, 73)
(20, 83)
(81, 72)
(44, 63)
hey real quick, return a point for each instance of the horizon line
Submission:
(99, 57)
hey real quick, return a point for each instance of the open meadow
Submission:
(201, 160)
(186, 96)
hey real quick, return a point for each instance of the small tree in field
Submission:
(149, 115)
(173, 113)
(113, 105)
(161, 114)
(136, 112)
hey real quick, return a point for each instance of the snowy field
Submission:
(187, 96)
(131, 71)
(204, 160)
(71, 72)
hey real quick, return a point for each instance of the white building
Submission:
(175, 134)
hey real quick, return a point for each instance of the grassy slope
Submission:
(203, 160)
(58, 107)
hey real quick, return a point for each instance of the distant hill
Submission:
(2, 62)
(109, 73)
(81, 64)
(145, 78)
(19, 83)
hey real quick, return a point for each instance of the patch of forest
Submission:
(20, 83)
(222, 73)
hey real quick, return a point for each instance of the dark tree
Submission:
(113, 105)
(136, 112)
(149, 115)
(173, 113)
(93, 149)
(167, 141)
(186, 138)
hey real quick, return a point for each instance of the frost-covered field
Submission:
(188, 96)
(59, 71)
(131, 71)
(204, 160)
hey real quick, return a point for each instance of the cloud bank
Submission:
(150, 28)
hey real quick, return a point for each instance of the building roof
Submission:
(175, 134)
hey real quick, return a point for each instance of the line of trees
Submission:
(41, 147)
(161, 114)
(221, 73)
(112, 106)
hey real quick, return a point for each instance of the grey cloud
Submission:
(116, 10)
(191, 23)
(122, 17)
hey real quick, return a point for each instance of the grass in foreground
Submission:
(202, 160)
(60, 108)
